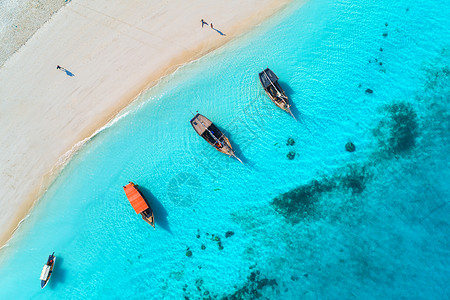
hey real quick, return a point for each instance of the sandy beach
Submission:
(114, 50)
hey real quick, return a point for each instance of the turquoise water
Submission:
(328, 224)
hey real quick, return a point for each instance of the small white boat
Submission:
(47, 270)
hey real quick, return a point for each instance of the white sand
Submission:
(116, 49)
(20, 19)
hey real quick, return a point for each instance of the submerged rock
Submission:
(290, 142)
(229, 234)
(188, 253)
(385, 34)
(203, 247)
(350, 147)
(369, 91)
(291, 155)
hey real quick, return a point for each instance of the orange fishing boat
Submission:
(139, 203)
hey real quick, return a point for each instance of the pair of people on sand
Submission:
(58, 67)
(203, 23)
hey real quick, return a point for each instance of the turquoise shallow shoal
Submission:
(329, 224)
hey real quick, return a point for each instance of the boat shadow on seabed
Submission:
(58, 274)
(158, 209)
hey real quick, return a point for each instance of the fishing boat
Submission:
(273, 89)
(47, 270)
(207, 130)
(139, 203)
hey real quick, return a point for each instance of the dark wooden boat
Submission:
(273, 89)
(207, 130)
(47, 270)
(139, 203)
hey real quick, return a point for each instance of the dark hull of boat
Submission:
(44, 283)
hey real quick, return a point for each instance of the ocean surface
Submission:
(328, 224)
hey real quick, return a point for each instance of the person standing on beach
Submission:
(203, 23)
(211, 26)
(58, 67)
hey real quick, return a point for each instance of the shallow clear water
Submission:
(327, 224)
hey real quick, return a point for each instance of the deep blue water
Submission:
(329, 224)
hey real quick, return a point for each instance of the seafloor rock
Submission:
(290, 142)
(188, 253)
(291, 155)
(350, 147)
(369, 91)
(229, 234)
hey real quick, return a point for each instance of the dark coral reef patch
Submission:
(300, 203)
(397, 132)
(252, 288)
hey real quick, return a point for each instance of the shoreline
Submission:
(105, 50)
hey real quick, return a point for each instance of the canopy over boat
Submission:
(135, 198)
(201, 125)
(45, 272)
(267, 78)
(207, 130)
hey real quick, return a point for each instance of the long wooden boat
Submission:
(47, 270)
(207, 130)
(139, 204)
(273, 89)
